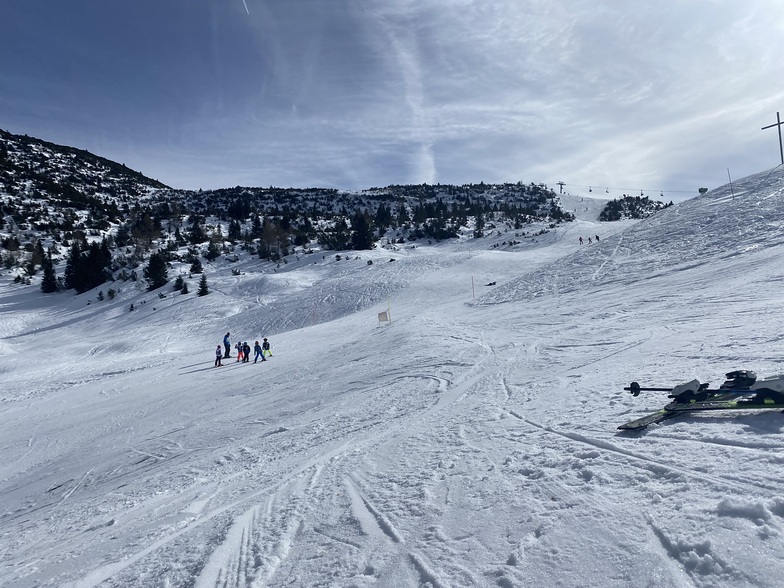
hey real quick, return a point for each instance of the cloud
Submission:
(353, 94)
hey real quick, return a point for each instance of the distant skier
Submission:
(265, 348)
(227, 345)
(218, 353)
(589, 241)
(258, 352)
(597, 238)
(581, 240)
(245, 352)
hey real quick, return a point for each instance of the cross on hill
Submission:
(778, 124)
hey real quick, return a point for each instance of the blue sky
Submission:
(359, 93)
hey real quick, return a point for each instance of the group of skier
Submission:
(262, 351)
(590, 240)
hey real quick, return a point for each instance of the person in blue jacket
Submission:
(227, 345)
(259, 354)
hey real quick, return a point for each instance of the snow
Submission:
(472, 442)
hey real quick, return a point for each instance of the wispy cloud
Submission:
(353, 93)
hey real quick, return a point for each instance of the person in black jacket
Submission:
(265, 348)
(245, 352)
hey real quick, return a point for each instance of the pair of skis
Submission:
(741, 391)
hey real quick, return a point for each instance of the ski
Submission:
(737, 404)
(741, 391)
(650, 419)
(670, 411)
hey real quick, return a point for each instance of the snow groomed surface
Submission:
(471, 443)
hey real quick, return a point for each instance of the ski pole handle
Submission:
(635, 389)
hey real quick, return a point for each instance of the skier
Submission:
(589, 241)
(238, 347)
(227, 345)
(257, 350)
(265, 348)
(597, 238)
(581, 240)
(218, 353)
(245, 352)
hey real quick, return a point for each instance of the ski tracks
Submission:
(381, 533)
(365, 542)
(260, 538)
(699, 547)
(656, 466)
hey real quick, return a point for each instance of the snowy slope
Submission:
(471, 443)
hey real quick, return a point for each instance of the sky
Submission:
(606, 96)
(471, 443)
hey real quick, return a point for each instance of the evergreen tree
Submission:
(93, 265)
(362, 235)
(213, 252)
(269, 236)
(196, 266)
(179, 282)
(49, 281)
(196, 233)
(383, 218)
(402, 214)
(156, 272)
(203, 289)
(38, 255)
(235, 230)
(256, 229)
(480, 225)
(123, 236)
(73, 271)
(339, 237)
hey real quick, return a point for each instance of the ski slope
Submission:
(472, 442)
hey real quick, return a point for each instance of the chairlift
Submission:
(590, 189)
(607, 190)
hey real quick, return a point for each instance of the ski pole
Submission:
(635, 389)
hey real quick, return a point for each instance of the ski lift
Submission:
(590, 189)
(662, 194)
(641, 194)
(607, 190)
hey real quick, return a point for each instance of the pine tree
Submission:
(235, 230)
(480, 225)
(362, 235)
(213, 252)
(203, 289)
(49, 281)
(38, 254)
(156, 272)
(72, 270)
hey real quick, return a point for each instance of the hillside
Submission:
(73, 221)
(472, 442)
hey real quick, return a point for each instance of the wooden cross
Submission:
(778, 124)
